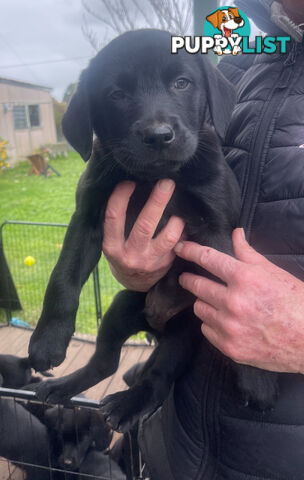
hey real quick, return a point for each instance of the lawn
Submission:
(29, 198)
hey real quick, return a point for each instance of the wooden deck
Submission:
(15, 342)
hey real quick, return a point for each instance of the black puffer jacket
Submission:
(203, 431)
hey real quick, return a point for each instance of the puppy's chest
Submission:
(184, 203)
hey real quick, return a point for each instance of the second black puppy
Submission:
(15, 372)
(150, 112)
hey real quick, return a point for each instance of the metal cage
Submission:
(30, 450)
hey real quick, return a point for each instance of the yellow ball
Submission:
(29, 261)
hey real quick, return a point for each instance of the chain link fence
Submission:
(29, 253)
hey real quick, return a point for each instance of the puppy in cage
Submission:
(15, 372)
(54, 443)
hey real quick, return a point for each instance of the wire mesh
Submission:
(31, 251)
(43, 442)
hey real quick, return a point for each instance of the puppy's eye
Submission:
(230, 17)
(117, 95)
(182, 83)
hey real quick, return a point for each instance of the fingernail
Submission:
(166, 185)
(179, 246)
(243, 233)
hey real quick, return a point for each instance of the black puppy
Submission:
(74, 432)
(150, 112)
(23, 438)
(15, 372)
(98, 465)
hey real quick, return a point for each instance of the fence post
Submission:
(97, 297)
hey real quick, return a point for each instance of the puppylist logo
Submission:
(226, 32)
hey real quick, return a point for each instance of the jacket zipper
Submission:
(259, 151)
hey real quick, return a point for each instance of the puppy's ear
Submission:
(214, 19)
(76, 123)
(51, 418)
(235, 11)
(221, 97)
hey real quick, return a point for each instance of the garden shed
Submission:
(26, 117)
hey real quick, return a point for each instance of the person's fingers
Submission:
(219, 264)
(148, 219)
(115, 215)
(169, 236)
(205, 312)
(204, 289)
(243, 250)
(212, 335)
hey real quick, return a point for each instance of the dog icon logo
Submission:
(227, 25)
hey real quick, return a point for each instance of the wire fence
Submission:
(44, 442)
(29, 254)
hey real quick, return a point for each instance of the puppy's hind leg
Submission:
(124, 318)
(168, 361)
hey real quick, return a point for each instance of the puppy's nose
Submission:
(158, 136)
(238, 20)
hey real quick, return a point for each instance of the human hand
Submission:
(257, 318)
(140, 261)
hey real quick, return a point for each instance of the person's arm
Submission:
(140, 261)
(257, 317)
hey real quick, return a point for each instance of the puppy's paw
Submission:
(122, 410)
(48, 345)
(259, 388)
(53, 392)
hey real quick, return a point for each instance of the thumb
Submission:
(243, 251)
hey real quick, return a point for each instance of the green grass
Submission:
(52, 200)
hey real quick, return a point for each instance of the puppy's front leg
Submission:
(124, 317)
(80, 253)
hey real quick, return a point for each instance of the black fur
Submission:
(129, 95)
(23, 438)
(15, 372)
(74, 431)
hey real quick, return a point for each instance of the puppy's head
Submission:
(76, 430)
(146, 105)
(226, 20)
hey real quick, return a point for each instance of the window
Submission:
(20, 120)
(26, 116)
(34, 115)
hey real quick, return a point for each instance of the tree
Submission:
(69, 92)
(59, 110)
(119, 16)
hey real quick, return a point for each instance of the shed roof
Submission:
(19, 83)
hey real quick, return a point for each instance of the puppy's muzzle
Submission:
(157, 135)
(238, 20)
